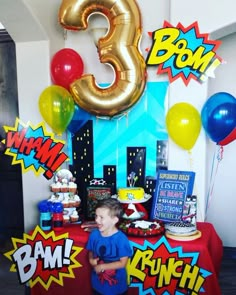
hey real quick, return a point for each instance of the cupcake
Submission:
(72, 187)
(64, 186)
(56, 187)
(53, 198)
(74, 217)
(66, 219)
(77, 200)
(71, 202)
(65, 202)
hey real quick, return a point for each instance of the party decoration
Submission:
(229, 138)
(119, 48)
(34, 148)
(79, 118)
(183, 124)
(97, 182)
(132, 178)
(183, 53)
(217, 158)
(172, 189)
(66, 67)
(110, 138)
(57, 251)
(218, 117)
(56, 106)
(175, 266)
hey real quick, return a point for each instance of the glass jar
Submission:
(45, 220)
(57, 220)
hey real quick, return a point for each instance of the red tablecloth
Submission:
(208, 247)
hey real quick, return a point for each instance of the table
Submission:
(200, 258)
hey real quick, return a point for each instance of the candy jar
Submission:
(57, 216)
(45, 219)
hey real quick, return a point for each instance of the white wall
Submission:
(33, 76)
(46, 15)
(218, 19)
(30, 85)
(215, 17)
(223, 200)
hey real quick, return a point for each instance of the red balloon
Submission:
(66, 67)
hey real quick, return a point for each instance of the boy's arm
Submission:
(93, 261)
(101, 267)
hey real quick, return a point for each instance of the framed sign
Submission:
(94, 194)
(172, 188)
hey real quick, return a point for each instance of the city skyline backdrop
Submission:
(102, 145)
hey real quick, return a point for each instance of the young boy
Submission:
(109, 250)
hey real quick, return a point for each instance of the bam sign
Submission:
(44, 258)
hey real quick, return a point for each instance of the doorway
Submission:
(11, 193)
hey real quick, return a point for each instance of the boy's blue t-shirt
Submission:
(109, 249)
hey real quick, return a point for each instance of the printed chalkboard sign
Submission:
(172, 188)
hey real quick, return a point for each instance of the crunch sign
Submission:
(160, 269)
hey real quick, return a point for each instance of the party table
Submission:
(161, 265)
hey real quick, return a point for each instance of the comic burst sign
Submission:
(34, 148)
(183, 53)
(44, 258)
(160, 269)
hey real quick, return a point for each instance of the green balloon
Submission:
(56, 106)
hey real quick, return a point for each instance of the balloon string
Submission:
(65, 34)
(210, 181)
(117, 144)
(190, 159)
(220, 153)
(127, 119)
(219, 157)
(191, 164)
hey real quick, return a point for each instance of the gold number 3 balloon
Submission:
(119, 48)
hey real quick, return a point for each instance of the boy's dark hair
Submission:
(113, 205)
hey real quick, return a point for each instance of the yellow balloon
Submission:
(183, 124)
(57, 107)
(119, 48)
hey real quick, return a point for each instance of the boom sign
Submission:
(119, 48)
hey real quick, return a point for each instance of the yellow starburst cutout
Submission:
(34, 148)
(44, 258)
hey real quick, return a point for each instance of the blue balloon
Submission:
(219, 116)
(79, 118)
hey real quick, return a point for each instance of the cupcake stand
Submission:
(63, 206)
